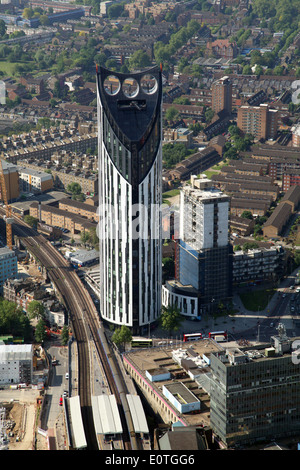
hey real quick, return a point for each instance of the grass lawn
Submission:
(7, 67)
(171, 193)
(257, 300)
(209, 173)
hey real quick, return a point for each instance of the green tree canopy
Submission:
(171, 319)
(174, 153)
(64, 336)
(121, 336)
(2, 28)
(74, 188)
(36, 310)
(171, 114)
(13, 320)
(40, 332)
(139, 60)
(247, 215)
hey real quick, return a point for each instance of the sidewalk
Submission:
(238, 323)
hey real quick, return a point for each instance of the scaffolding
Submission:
(3, 436)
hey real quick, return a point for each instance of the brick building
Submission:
(260, 121)
(34, 181)
(222, 95)
(61, 218)
(11, 178)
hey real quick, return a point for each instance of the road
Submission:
(57, 384)
(281, 312)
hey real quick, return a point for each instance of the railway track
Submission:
(60, 274)
(85, 323)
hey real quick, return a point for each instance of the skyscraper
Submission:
(130, 189)
(204, 243)
(203, 252)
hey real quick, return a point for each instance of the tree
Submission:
(174, 153)
(36, 310)
(44, 20)
(93, 238)
(2, 28)
(171, 114)
(247, 215)
(13, 321)
(28, 13)
(59, 90)
(114, 11)
(121, 336)
(64, 336)
(84, 237)
(209, 114)
(30, 220)
(74, 188)
(168, 266)
(139, 60)
(40, 332)
(170, 318)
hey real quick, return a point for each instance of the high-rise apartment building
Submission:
(130, 194)
(8, 265)
(204, 260)
(11, 178)
(221, 95)
(203, 253)
(260, 121)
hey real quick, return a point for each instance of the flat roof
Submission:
(15, 352)
(181, 392)
(84, 255)
(78, 433)
(138, 414)
(106, 415)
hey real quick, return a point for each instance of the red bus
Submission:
(213, 334)
(192, 337)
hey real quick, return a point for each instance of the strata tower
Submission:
(130, 193)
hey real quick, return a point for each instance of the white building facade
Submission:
(16, 365)
(130, 195)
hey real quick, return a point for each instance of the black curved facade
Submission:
(130, 167)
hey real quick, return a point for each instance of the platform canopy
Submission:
(106, 415)
(137, 413)
(78, 434)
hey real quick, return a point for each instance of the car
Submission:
(66, 394)
(271, 325)
(67, 375)
(60, 401)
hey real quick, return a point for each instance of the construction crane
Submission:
(8, 217)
